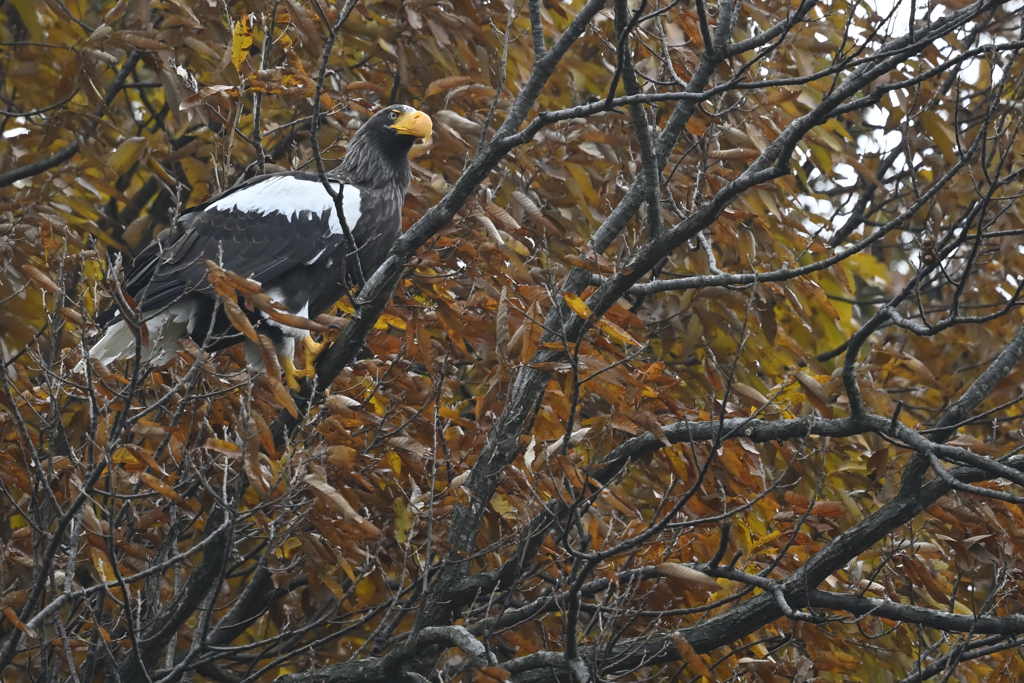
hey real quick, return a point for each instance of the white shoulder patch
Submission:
(288, 195)
(351, 204)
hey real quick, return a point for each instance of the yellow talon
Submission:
(291, 375)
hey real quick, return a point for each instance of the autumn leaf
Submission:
(692, 658)
(241, 41)
(687, 576)
(337, 502)
(12, 617)
(443, 84)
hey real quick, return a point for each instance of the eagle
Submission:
(282, 230)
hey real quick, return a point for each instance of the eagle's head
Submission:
(379, 151)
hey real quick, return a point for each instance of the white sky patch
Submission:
(877, 142)
(847, 176)
(15, 132)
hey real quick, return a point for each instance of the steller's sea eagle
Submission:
(282, 230)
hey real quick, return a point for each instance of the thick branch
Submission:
(981, 388)
(163, 624)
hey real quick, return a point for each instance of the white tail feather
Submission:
(165, 329)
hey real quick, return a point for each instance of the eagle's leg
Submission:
(286, 358)
(291, 375)
(310, 351)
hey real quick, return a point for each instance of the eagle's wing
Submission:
(262, 229)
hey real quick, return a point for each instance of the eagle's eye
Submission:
(393, 115)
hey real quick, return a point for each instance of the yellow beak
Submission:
(413, 123)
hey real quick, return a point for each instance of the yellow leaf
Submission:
(503, 507)
(290, 546)
(617, 333)
(364, 591)
(395, 461)
(821, 298)
(941, 133)
(333, 586)
(102, 564)
(122, 456)
(347, 567)
(403, 520)
(241, 41)
(576, 304)
(764, 540)
(392, 320)
(127, 153)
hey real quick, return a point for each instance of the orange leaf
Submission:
(239, 320)
(273, 376)
(449, 83)
(796, 500)
(827, 508)
(12, 617)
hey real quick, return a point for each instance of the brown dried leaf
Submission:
(166, 491)
(827, 508)
(687, 575)
(205, 94)
(337, 502)
(501, 335)
(40, 279)
(448, 83)
(648, 422)
(815, 392)
(273, 376)
(239, 320)
(691, 657)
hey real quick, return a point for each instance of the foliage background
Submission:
(718, 378)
